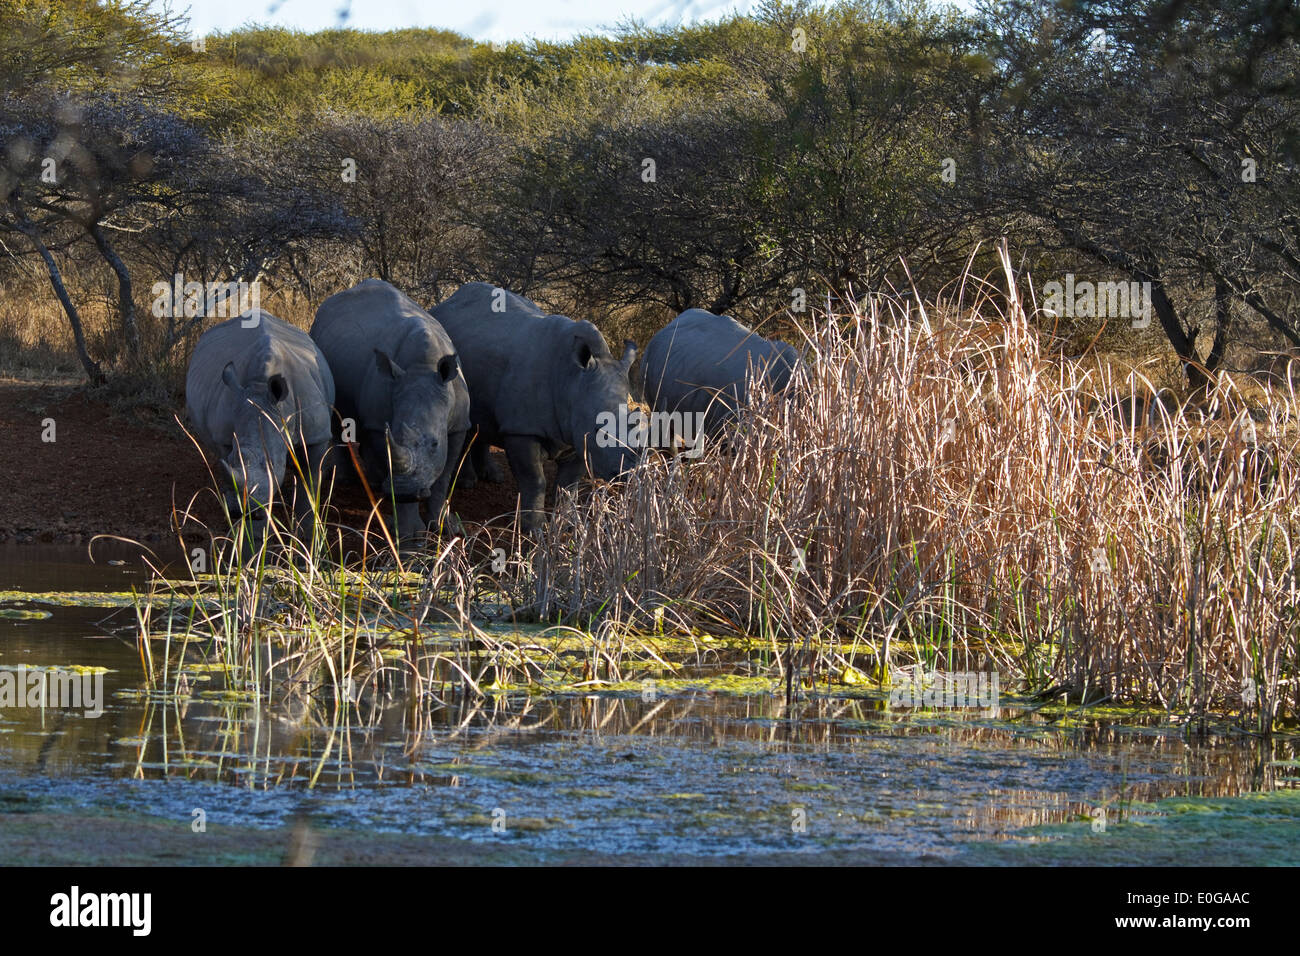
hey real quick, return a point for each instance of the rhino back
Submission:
(517, 362)
(698, 356)
(485, 339)
(351, 325)
(270, 347)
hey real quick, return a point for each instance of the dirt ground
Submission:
(129, 473)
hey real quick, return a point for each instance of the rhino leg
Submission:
(318, 464)
(336, 465)
(525, 456)
(409, 523)
(253, 536)
(438, 494)
(373, 466)
(466, 477)
(569, 468)
(485, 466)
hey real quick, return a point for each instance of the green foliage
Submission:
(279, 77)
(72, 45)
(814, 147)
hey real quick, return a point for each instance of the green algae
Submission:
(1255, 829)
(98, 598)
(81, 669)
(231, 696)
(20, 614)
(738, 685)
(71, 598)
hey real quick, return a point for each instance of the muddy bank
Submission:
(75, 466)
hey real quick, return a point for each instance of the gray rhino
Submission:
(400, 383)
(255, 388)
(703, 365)
(539, 385)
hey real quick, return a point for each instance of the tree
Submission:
(122, 175)
(89, 47)
(77, 171)
(873, 131)
(1123, 128)
(659, 209)
(410, 186)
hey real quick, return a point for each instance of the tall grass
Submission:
(934, 492)
(279, 610)
(937, 490)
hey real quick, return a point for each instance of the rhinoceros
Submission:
(400, 382)
(703, 365)
(256, 388)
(539, 385)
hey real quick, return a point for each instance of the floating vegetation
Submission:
(79, 669)
(1254, 829)
(20, 614)
(175, 596)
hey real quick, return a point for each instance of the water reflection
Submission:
(690, 772)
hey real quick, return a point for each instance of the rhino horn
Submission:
(401, 460)
(629, 354)
(399, 456)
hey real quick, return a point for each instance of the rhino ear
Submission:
(228, 376)
(448, 367)
(629, 354)
(387, 366)
(581, 352)
(278, 388)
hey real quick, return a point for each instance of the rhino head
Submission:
(417, 429)
(598, 388)
(252, 471)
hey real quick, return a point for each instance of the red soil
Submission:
(111, 472)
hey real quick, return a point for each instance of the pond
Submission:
(683, 769)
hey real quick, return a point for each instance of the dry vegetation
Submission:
(937, 489)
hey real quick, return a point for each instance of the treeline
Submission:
(756, 165)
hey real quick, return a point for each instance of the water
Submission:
(697, 772)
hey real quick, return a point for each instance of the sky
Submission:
(489, 20)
